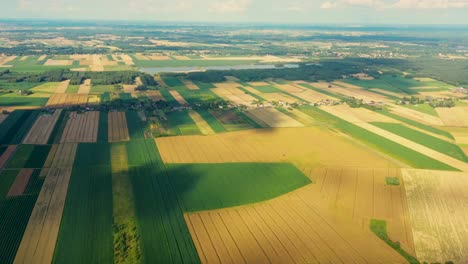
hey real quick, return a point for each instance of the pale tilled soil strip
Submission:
(6, 155)
(2, 117)
(62, 88)
(85, 87)
(117, 127)
(19, 185)
(42, 128)
(40, 236)
(178, 97)
(81, 127)
(455, 116)
(204, 127)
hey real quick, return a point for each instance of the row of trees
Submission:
(327, 70)
(76, 78)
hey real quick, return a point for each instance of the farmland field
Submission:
(214, 142)
(224, 185)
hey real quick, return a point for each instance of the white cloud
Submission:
(430, 4)
(329, 5)
(230, 6)
(299, 6)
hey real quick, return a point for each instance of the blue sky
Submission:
(248, 11)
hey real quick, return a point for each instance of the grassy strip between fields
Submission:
(417, 124)
(424, 139)
(393, 149)
(379, 227)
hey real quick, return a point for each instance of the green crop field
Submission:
(197, 96)
(7, 100)
(417, 124)
(211, 186)
(389, 83)
(423, 108)
(72, 89)
(267, 89)
(212, 121)
(203, 85)
(48, 87)
(16, 86)
(15, 127)
(431, 142)
(86, 234)
(173, 82)
(164, 235)
(395, 150)
(181, 123)
(102, 89)
(15, 213)
(29, 156)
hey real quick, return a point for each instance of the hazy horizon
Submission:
(360, 12)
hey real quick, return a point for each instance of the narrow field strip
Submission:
(42, 128)
(85, 87)
(81, 127)
(404, 142)
(40, 236)
(201, 123)
(117, 127)
(438, 209)
(19, 185)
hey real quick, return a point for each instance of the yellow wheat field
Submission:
(416, 115)
(455, 116)
(59, 100)
(201, 123)
(85, 87)
(438, 204)
(304, 147)
(62, 88)
(288, 229)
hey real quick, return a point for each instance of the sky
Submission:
(357, 12)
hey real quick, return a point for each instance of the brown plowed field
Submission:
(81, 127)
(42, 128)
(117, 127)
(20, 183)
(6, 155)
